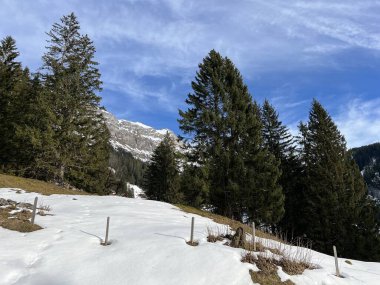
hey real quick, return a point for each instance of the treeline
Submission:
(242, 162)
(127, 170)
(50, 124)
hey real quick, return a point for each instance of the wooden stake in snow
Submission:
(254, 236)
(192, 230)
(108, 225)
(336, 262)
(34, 210)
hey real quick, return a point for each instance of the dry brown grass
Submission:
(18, 221)
(32, 185)
(293, 267)
(218, 233)
(227, 221)
(268, 272)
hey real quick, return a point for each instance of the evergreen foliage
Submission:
(127, 168)
(194, 185)
(11, 77)
(336, 209)
(368, 159)
(54, 130)
(162, 182)
(225, 129)
(80, 136)
(281, 144)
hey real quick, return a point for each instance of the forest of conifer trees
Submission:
(242, 162)
(239, 160)
(50, 122)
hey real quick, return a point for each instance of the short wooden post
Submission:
(336, 262)
(192, 230)
(254, 236)
(107, 229)
(34, 209)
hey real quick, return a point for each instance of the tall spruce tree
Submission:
(281, 144)
(72, 80)
(336, 209)
(222, 123)
(162, 181)
(11, 77)
(264, 198)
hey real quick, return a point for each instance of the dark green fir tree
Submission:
(281, 144)
(336, 208)
(219, 121)
(72, 80)
(162, 181)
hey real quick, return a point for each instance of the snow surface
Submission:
(137, 191)
(147, 247)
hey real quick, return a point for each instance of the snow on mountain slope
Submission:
(148, 247)
(134, 137)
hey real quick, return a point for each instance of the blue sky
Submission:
(287, 51)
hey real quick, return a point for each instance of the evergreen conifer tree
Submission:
(220, 120)
(336, 209)
(11, 76)
(281, 144)
(71, 79)
(263, 194)
(162, 181)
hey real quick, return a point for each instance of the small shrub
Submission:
(45, 208)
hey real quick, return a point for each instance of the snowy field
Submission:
(148, 246)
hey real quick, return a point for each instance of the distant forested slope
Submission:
(368, 159)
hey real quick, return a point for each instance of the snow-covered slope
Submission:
(134, 137)
(148, 246)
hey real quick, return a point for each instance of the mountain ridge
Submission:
(134, 137)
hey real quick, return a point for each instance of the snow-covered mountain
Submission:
(134, 137)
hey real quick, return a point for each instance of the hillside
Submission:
(148, 246)
(368, 159)
(33, 185)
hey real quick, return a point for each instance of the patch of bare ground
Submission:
(33, 185)
(18, 221)
(267, 274)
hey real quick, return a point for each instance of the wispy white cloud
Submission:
(359, 122)
(167, 39)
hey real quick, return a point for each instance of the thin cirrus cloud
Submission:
(149, 51)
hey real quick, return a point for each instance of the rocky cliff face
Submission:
(138, 139)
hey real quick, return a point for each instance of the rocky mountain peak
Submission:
(134, 137)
